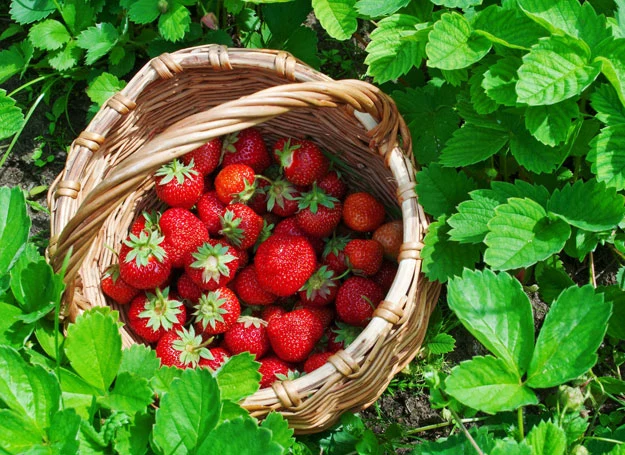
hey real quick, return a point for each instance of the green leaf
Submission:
(606, 103)
(472, 144)
(500, 80)
(442, 343)
(80, 14)
(11, 116)
(457, 444)
(143, 11)
(280, 431)
(131, 394)
(559, 356)
(49, 34)
(13, 61)
(67, 57)
(615, 295)
(546, 438)
(337, 17)
(462, 4)
(98, 41)
(507, 27)
(13, 332)
(135, 438)
(552, 279)
(470, 224)
(612, 60)
(522, 234)
(280, 17)
(441, 189)
(164, 377)
(188, 413)
(17, 433)
(482, 103)
(511, 447)
(238, 436)
(453, 45)
(140, 360)
(93, 347)
(442, 258)
(64, 431)
(559, 16)
(28, 11)
(103, 87)
(502, 191)
(38, 288)
(234, 6)
(557, 68)
(533, 155)
(303, 44)
(550, 124)
(231, 410)
(375, 8)
(489, 385)
(607, 156)
(397, 45)
(175, 22)
(238, 377)
(497, 312)
(14, 226)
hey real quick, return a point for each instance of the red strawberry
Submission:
(342, 335)
(294, 335)
(184, 232)
(116, 288)
(316, 360)
(246, 147)
(182, 348)
(152, 315)
(282, 197)
(216, 311)
(284, 263)
(235, 183)
(249, 290)
(249, 334)
(271, 311)
(325, 314)
(321, 287)
(179, 185)
(362, 212)
(243, 255)
(258, 202)
(143, 262)
(273, 369)
(356, 300)
(291, 227)
(334, 254)
(319, 214)
(390, 235)
(241, 226)
(210, 210)
(206, 157)
(385, 276)
(332, 185)
(187, 289)
(212, 265)
(147, 221)
(364, 256)
(302, 161)
(219, 357)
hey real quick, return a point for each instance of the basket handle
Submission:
(197, 129)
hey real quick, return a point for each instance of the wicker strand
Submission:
(69, 188)
(89, 139)
(165, 66)
(287, 394)
(344, 363)
(218, 58)
(122, 104)
(389, 311)
(285, 65)
(410, 250)
(406, 191)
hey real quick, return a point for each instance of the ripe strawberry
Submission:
(332, 185)
(219, 357)
(271, 311)
(152, 315)
(385, 276)
(390, 235)
(183, 231)
(206, 157)
(334, 254)
(258, 202)
(294, 335)
(243, 255)
(210, 210)
(316, 360)
(182, 348)
(235, 183)
(282, 197)
(342, 335)
(241, 225)
(116, 288)
(364, 256)
(216, 311)
(321, 288)
(212, 265)
(302, 161)
(179, 185)
(147, 221)
(356, 300)
(325, 314)
(284, 263)
(143, 262)
(319, 214)
(362, 212)
(249, 290)
(273, 369)
(246, 147)
(187, 289)
(291, 227)
(249, 334)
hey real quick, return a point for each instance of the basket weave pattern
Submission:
(179, 101)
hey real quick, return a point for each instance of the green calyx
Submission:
(285, 156)
(191, 347)
(176, 170)
(265, 233)
(314, 198)
(248, 192)
(209, 309)
(319, 284)
(228, 143)
(335, 245)
(289, 376)
(280, 190)
(160, 310)
(346, 333)
(145, 246)
(230, 228)
(213, 260)
(113, 272)
(249, 321)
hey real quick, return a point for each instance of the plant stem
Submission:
(443, 425)
(521, 426)
(597, 438)
(466, 432)
(28, 84)
(593, 278)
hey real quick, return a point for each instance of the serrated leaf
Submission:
(489, 385)
(13, 61)
(521, 234)
(482, 103)
(615, 295)
(14, 226)
(37, 289)
(13, 332)
(557, 68)
(28, 11)
(496, 311)
(143, 11)
(453, 45)
(11, 116)
(502, 191)
(240, 435)
(462, 4)
(140, 360)
(457, 444)
(49, 34)
(472, 144)
(131, 394)
(303, 44)
(552, 279)
(559, 356)
(511, 447)
(17, 432)
(442, 343)
(280, 17)
(98, 41)
(103, 87)
(337, 17)
(612, 60)
(67, 57)
(238, 377)
(533, 155)
(80, 14)
(550, 124)
(500, 80)
(470, 224)
(441, 189)
(175, 22)
(163, 378)
(547, 438)
(135, 438)
(64, 431)
(507, 27)
(375, 8)
(456, 77)
(607, 156)
(443, 258)
(581, 243)
(397, 44)
(606, 103)
(280, 431)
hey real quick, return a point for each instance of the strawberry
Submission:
(390, 235)
(316, 360)
(249, 291)
(116, 288)
(241, 226)
(216, 311)
(332, 185)
(321, 287)
(325, 314)
(249, 334)
(271, 311)
(364, 256)
(210, 210)
(362, 212)
(265, 233)
(219, 357)
(183, 231)
(341, 335)
(179, 185)
(302, 161)
(212, 265)
(273, 369)
(319, 214)
(294, 335)
(151, 315)
(246, 147)
(386, 275)
(334, 254)
(258, 202)
(182, 348)
(187, 289)
(147, 221)
(206, 157)
(356, 300)
(235, 183)
(143, 263)
(243, 255)
(291, 227)
(282, 197)
(284, 263)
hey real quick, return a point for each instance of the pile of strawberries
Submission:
(259, 251)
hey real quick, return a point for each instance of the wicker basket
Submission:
(178, 102)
